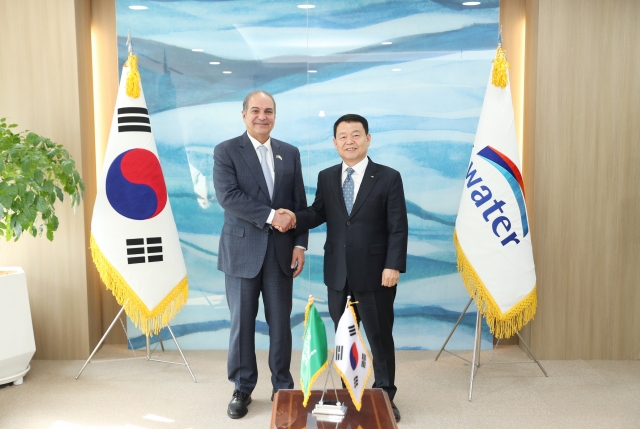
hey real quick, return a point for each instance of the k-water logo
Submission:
(482, 196)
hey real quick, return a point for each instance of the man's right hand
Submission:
(284, 220)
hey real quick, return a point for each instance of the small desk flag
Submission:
(351, 359)
(134, 239)
(492, 236)
(314, 350)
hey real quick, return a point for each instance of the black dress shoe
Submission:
(237, 408)
(396, 412)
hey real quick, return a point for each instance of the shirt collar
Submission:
(359, 167)
(256, 144)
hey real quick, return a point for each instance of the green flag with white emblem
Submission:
(314, 350)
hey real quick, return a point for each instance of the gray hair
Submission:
(245, 103)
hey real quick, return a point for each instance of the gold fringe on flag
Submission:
(501, 325)
(500, 66)
(133, 79)
(148, 321)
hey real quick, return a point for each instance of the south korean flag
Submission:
(351, 359)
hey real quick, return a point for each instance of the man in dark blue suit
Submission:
(253, 174)
(367, 234)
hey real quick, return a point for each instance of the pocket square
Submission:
(279, 157)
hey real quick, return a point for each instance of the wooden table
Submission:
(288, 412)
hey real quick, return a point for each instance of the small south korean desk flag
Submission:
(134, 239)
(351, 359)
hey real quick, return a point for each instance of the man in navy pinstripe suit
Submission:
(253, 174)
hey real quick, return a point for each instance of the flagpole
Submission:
(101, 341)
(475, 360)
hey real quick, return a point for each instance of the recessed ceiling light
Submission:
(387, 43)
(471, 3)
(215, 63)
(312, 71)
(306, 6)
(198, 50)
(138, 7)
(396, 69)
(226, 72)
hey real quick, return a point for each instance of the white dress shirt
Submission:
(356, 176)
(267, 144)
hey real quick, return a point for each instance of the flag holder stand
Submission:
(149, 353)
(475, 360)
(329, 411)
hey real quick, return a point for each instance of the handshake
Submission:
(284, 220)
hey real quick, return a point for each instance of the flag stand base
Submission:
(329, 411)
(475, 360)
(148, 349)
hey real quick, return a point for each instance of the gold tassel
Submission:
(501, 325)
(500, 66)
(150, 322)
(133, 79)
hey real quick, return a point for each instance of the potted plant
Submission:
(34, 172)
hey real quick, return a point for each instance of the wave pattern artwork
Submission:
(416, 70)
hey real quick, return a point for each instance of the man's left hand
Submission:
(298, 256)
(390, 277)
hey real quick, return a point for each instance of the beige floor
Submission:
(577, 394)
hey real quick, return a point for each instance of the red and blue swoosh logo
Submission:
(508, 169)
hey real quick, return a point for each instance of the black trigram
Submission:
(133, 119)
(363, 361)
(135, 246)
(355, 381)
(339, 352)
(352, 330)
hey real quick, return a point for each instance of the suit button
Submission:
(348, 223)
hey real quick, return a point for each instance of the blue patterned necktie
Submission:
(265, 169)
(347, 190)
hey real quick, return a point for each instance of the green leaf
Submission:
(26, 165)
(29, 198)
(67, 167)
(48, 186)
(1, 165)
(13, 125)
(59, 193)
(38, 175)
(41, 204)
(49, 234)
(54, 221)
(33, 231)
(6, 200)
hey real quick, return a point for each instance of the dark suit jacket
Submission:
(242, 192)
(374, 237)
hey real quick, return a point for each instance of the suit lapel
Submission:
(336, 185)
(368, 181)
(278, 166)
(250, 156)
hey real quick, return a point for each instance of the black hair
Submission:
(351, 117)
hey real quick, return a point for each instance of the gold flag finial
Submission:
(133, 79)
(500, 66)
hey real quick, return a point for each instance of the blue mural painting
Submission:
(416, 69)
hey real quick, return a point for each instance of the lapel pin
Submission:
(279, 157)
(372, 177)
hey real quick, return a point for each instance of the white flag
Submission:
(134, 239)
(351, 359)
(492, 236)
